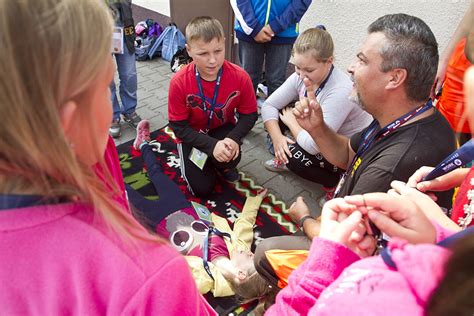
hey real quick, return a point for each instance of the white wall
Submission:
(160, 6)
(347, 20)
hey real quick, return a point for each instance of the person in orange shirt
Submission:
(452, 66)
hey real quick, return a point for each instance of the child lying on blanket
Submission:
(219, 257)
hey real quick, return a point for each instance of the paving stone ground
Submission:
(153, 81)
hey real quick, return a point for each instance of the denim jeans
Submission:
(127, 71)
(276, 56)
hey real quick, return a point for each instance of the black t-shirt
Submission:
(425, 142)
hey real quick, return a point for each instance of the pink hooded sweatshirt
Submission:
(334, 281)
(63, 259)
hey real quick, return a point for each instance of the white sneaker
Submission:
(275, 165)
(262, 91)
(114, 129)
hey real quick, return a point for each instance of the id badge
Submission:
(117, 40)
(202, 211)
(198, 158)
(340, 184)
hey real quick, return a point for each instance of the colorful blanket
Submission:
(227, 200)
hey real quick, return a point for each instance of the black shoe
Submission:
(133, 119)
(231, 175)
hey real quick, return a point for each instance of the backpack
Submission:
(180, 59)
(168, 43)
(143, 48)
(147, 32)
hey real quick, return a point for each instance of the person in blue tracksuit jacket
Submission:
(266, 30)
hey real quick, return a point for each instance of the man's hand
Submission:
(298, 210)
(341, 222)
(233, 147)
(396, 216)
(307, 111)
(222, 152)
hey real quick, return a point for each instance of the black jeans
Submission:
(171, 199)
(314, 168)
(202, 182)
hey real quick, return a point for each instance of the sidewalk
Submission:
(153, 82)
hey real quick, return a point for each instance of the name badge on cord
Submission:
(117, 40)
(198, 157)
(202, 211)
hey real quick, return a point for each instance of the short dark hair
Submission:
(411, 46)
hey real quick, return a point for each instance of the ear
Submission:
(397, 77)
(66, 115)
(188, 49)
(331, 59)
(241, 275)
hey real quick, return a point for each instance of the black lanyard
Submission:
(211, 230)
(203, 98)
(370, 136)
(321, 86)
(11, 201)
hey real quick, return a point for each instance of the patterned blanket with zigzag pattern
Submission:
(227, 199)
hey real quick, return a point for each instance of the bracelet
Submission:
(303, 219)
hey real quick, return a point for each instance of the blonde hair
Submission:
(316, 41)
(56, 60)
(254, 287)
(204, 28)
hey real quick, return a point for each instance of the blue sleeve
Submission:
(244, 13)
(291, 15)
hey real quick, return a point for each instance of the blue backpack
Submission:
(169, 42)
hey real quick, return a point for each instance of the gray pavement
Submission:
(153, 81)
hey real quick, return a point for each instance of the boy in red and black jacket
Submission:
(211, 107)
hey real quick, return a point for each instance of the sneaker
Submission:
(132, 119)
(143, 134)
(262, 91)
(114, 129)
(329, 195)
(275, 165)
(231, 175)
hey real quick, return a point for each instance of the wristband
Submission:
(303, 219)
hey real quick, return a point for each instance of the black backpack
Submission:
(180, 59)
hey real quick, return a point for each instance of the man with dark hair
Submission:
(393, 74)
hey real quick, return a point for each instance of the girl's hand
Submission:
(425, 203)
(280, 145)
(341, 222)
(442, 183)
(396, 216)
(287, 117)
(262, 192)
